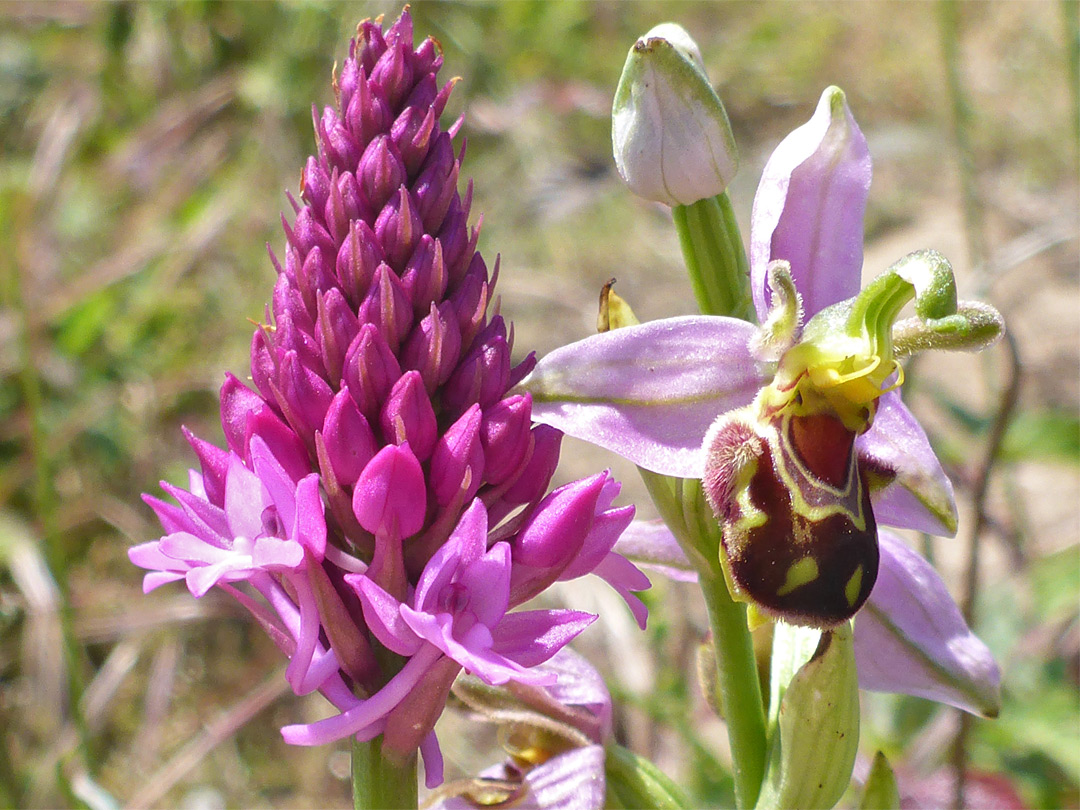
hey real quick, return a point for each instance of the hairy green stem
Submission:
(380, 783)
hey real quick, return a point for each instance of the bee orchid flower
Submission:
(795, 426)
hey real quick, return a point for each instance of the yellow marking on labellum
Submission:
(854, 585)
(799, 574)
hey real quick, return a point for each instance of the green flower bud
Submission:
(814, 716)
(670, 132)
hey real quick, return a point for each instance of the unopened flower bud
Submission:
(407, 416)
(457, 451)
(391, 498)
(350, 443)
(670, 132)
(506, 436)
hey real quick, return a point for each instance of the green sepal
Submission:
(635, 782)
(880, 791)
(815, 718)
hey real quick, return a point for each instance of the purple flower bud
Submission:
(390, 497)
(555, 533)
(394, 74)
(350, 444)
(335, 330)
(381, 171)
(458, 451)
(356, 261)
(483, 374)
(344, 206)
(340, 147)
(424, 277)
(454, 238)
(283, 444)
(237, 401)
(290, 337)
(407, 416)
(505, 437)
(303, 395)
(371, 369)
(316, 276)
(434, 347)
(534, 479)
(263, 365)
(315, 184)
(367, 112)
(436, 185)
(470, 302)
(387, 306)
(347, 83)
(214, 463)
(398, 228)
(308, 234)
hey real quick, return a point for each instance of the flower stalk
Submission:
(379, 782)
(715, 260)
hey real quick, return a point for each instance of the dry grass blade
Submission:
(216, 732)
(42, 642)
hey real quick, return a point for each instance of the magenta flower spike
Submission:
(802, 443)
(381, 486)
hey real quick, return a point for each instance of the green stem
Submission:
(739, 687)
(715, 259)
(380, 783)
(682, 506)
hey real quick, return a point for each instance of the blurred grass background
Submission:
(144, 152)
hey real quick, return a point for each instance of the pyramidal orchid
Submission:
(796, 427)
(382, 502)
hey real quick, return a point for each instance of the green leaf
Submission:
(637, 783)
(815, 732)
(881, 792)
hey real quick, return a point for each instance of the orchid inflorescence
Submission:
(381, 490)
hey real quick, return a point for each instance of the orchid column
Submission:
(383, 501)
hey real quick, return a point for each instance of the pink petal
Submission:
(309, 528)
(367, 712)
(910, 637)
(382, 612)
(651, 545)
(624, 577)
(245, 500)
(465, 545)
(531, 637)
(189, 548)
(648, 392)
(809, 208)
(488, 582)
(921, 497)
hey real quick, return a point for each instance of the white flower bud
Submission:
(670, 133)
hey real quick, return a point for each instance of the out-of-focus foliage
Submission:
(144, 150)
